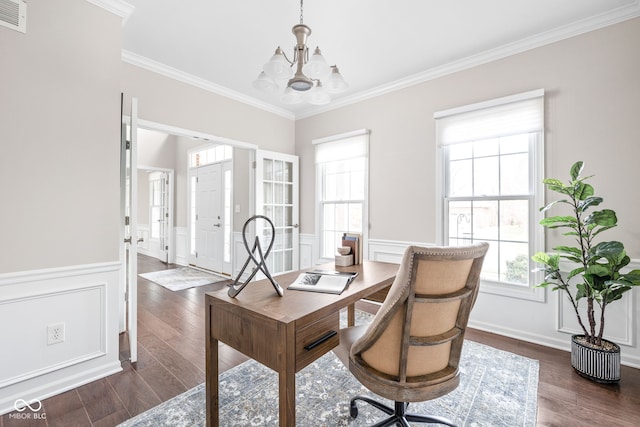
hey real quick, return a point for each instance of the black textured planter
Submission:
(596, 364)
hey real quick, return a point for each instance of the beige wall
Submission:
(592, 85)
(170, 102)
(60, 92)
(59, 113)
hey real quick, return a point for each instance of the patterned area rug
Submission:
(497, 389)
(181, 278)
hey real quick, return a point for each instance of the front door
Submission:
(209, 216)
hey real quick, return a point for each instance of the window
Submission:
(211, 154)
(342, 169)
(491, 160)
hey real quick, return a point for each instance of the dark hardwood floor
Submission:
(171, 361)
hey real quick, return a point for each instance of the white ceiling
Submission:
(379, 45)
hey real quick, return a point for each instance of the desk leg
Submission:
(351, 315)
(287, 389)
(212, 371)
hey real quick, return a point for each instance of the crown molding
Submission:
(117, 7)
(173, 73)
(577, 28)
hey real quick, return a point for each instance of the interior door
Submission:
(129, 251)
(159, 215)
(209, 199)
(277, 199)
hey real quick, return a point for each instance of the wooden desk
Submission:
(278, 331)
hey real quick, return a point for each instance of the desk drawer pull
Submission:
(320, 340)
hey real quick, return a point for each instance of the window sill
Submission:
(512, 291)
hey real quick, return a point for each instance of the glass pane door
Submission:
(277, 199)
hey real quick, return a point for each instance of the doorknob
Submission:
(127, 240)
(217, 225)
(295, 226)
(141, 239)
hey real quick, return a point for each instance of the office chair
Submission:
(410, 352)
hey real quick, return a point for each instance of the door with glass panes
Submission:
(277, 199)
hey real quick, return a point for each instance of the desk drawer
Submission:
(316, 339)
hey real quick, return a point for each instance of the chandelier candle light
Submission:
(313, 79)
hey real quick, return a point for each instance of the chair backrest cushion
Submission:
(437, 287)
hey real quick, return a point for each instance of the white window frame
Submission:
(364, 133)
(536, 175)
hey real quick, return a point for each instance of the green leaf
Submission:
(568, 249)
(582, 291)
(550, 205)
(572, 258)
(553, 181)
(583, 205)
(583, 191)
(557, 186)
(609, 250)
(558, 221)
(603, 218)
(544, 284)
(600, 230)
(598, 270)
(575, 272)
(552, 261)
(576, 170)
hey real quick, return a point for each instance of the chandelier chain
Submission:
(301, 10)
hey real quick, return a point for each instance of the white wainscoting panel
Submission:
(82, 298)
(620, 315)
(180, 255)
(307, 250)
(143, 233)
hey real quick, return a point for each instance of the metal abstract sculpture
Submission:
(261, 265)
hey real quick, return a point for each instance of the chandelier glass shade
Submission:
(302, 78)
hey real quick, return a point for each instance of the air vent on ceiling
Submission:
(13, 14)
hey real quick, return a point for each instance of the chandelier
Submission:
(313, 79)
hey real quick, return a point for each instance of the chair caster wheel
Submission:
(353, 410)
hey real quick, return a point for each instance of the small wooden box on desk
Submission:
(283, 333)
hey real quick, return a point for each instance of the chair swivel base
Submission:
(398, 414)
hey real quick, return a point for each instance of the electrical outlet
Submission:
(55, 333)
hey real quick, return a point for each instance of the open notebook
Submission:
(332, 282)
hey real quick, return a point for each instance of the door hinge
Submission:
(253, 165)
(126, 220)
(128, 145)
(196, 254)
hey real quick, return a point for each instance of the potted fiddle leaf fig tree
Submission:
(594, 275)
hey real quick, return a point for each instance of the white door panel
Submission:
(209, 218)
(129, 233)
